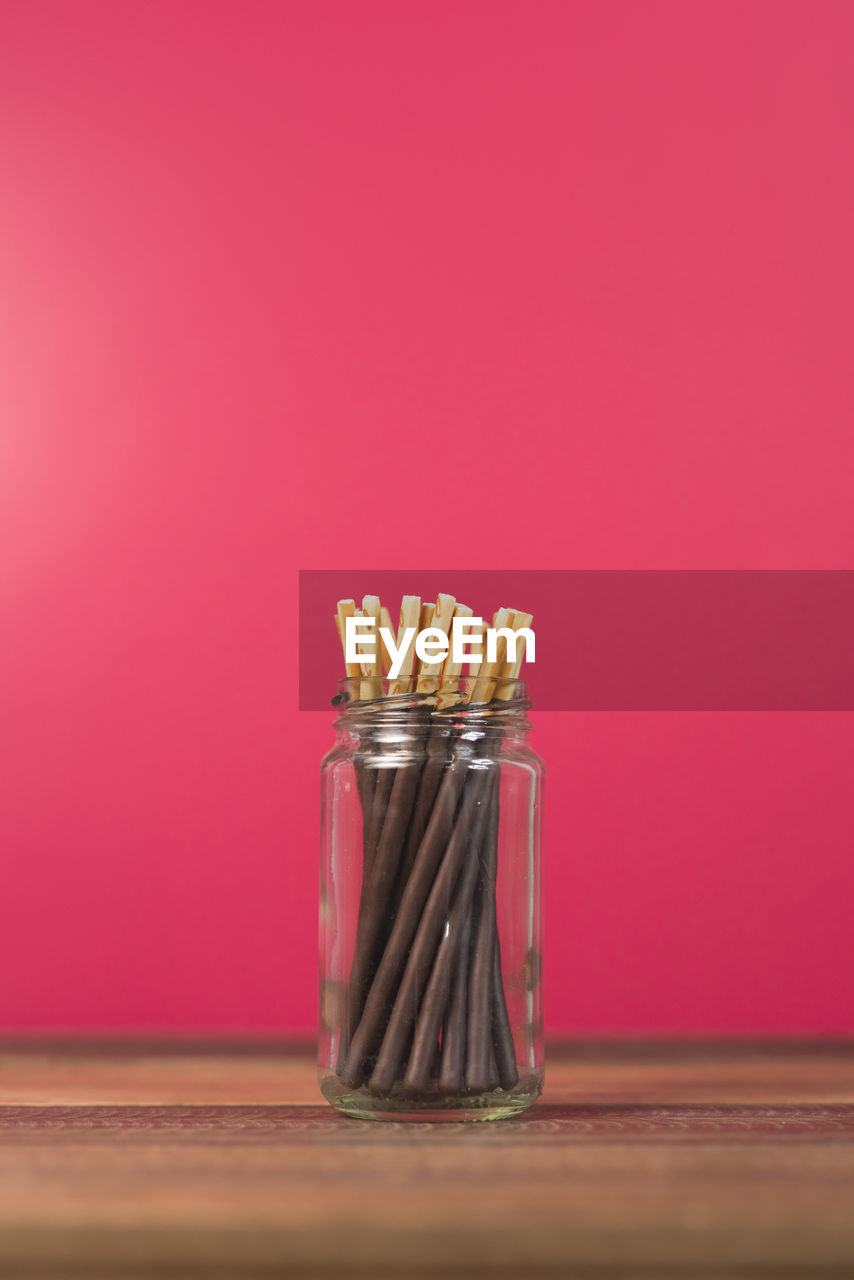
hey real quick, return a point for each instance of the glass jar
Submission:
(430, 912)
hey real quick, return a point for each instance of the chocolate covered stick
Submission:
(428, 785)
(366, 785)
(410, 613)
(379, 807)
(382, 778)
(429, 616)
(430, 675)
(439, 831)
(491, 1057)
(410, 616)
(479, 1042)
(416, 827)
(439, 618)
(502, 1035)
(371, 688)
(453, 1065)
(449, 952)
(365, 778)
(467, 834)
(378, 884)
(493, 1079)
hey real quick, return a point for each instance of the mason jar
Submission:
(430, 906)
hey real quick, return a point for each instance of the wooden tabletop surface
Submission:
(145, 1159)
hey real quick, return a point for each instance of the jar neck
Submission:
(411, 721)
(407, 710)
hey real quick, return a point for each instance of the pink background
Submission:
(495, 284)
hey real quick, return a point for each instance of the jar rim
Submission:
(384, 693)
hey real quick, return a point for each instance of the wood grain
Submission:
(640, 1160)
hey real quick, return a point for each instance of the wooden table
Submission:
(640, 1161)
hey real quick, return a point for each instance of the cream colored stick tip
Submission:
(372, 608)
(519, 621)
(483, 687)
(385, 624)
(347, 609)
(410, 617)
(440, 619)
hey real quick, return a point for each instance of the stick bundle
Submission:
(426, 1009)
